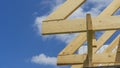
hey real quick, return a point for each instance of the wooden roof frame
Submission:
(56, 23)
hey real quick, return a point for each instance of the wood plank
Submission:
(79, 59)
(103, 39)
(77, 66)
(74, 45)
(79, 25)
(71, 59)
(94, 41)
(65, 10)
(63, 26)
(112, 45)
(90, 36)
(111, 9)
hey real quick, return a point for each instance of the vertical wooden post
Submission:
(94, 42)
(90, 37)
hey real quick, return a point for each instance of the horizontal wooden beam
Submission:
(79, 59)
(77, 66)
(65, 10)
(79, 25)
(107, 65)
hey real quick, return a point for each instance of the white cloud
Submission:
(95, 10)
(38, 23)
(82, 50)
(43, 59)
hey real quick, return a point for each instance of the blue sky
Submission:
(21, 42)
(19, 39)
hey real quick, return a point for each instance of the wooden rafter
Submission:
(74, 45)
(112, 45)
(65, 10)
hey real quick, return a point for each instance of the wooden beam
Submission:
(77, 66)
(94, 41)
(111, 9)
(79, 59)
(89, 40)
(68, 59)
(65, 10)
(112, 45)
(103, 39)
(74, 45)
(79, 25)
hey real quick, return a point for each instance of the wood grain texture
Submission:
(103, 39)
(79, 59)
(79, 25)
(65, 10)
(90, 36)
(74, 45)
